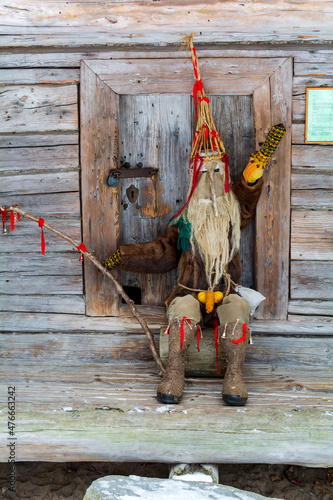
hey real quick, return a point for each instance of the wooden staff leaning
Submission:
(102, 269)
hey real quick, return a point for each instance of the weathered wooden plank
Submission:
(234, 76)
(65, 58)
(42, 140)
(326, 321)
(311, 235)
(300, 83)
(301, 178)
(50, 205)
(65, 304)
(321, 199)
(312, 156)
(311, 307)
(32, 108)
(20, 284)
(100, 144)
(123, 23)
(39, 158)
(38, 183)
(67, 323)
(26, 236)
(73, 374)
(64, 263)
(272, 248)
(311, 280)
(314, 68)
(39, 76)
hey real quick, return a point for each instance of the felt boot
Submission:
(234, 344)
(171, 388)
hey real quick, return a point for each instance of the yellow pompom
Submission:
(209, 298)
(218, 296)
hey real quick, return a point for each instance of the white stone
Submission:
(136, 488)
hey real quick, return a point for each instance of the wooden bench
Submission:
(92, 397)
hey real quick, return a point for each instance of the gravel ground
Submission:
(69, 481)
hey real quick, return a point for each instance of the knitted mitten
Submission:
(113, 261)
(258, 161)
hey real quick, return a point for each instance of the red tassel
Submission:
(182, 331)
(241, 339)
(216, 326)
(81, 259)
(225, 160)
(198, 337)
(197, 164)
(41, 224)
(12, 221)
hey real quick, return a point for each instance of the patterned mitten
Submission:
(258, 161)
(113, 261)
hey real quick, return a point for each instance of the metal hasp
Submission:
(122, 173)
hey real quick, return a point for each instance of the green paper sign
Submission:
(319, 115)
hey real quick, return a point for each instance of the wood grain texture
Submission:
(124, 23)
(272, 250)
(39, 108)
(100, 203)
(39, 76)
(65, 304)
(60, 58)
(311, 235)
(311, 280)
(26, 237)
(27, 159)
(321, 199)
(230, 76)
(311, 307)
(109, 382)
(319, 157)
(39, 183)
(48, 139)
(18, 284)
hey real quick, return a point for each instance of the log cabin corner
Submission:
(88, 87)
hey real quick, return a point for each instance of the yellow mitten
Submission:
(113, 261)
(210, 298)
(258, 161)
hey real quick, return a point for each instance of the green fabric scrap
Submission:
(184, 227)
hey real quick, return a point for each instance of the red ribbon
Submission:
(241, 339)
(216, 326)
(182, 334)
(41, 224)
(198, 337)
(4, 217)
(198, 87)
(197, 164)
(225, 160)
(12, 221)
(81, 247)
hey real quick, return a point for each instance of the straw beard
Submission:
(217, 238)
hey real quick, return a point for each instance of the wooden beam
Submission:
(109, 382)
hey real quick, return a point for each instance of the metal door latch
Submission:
(122, 173)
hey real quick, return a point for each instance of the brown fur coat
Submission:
(162, 255)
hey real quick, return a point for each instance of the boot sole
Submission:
(234, 400)
(168, 398)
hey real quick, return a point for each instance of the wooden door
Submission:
(141, 111)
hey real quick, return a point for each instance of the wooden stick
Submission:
(107, 273)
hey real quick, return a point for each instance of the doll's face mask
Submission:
(211, 183)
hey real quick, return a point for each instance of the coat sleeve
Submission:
(158, 256)
(248, 197)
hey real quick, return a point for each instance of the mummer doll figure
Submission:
(202, 240)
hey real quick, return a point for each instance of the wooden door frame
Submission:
(268, 81)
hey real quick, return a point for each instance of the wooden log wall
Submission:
(40, 171)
